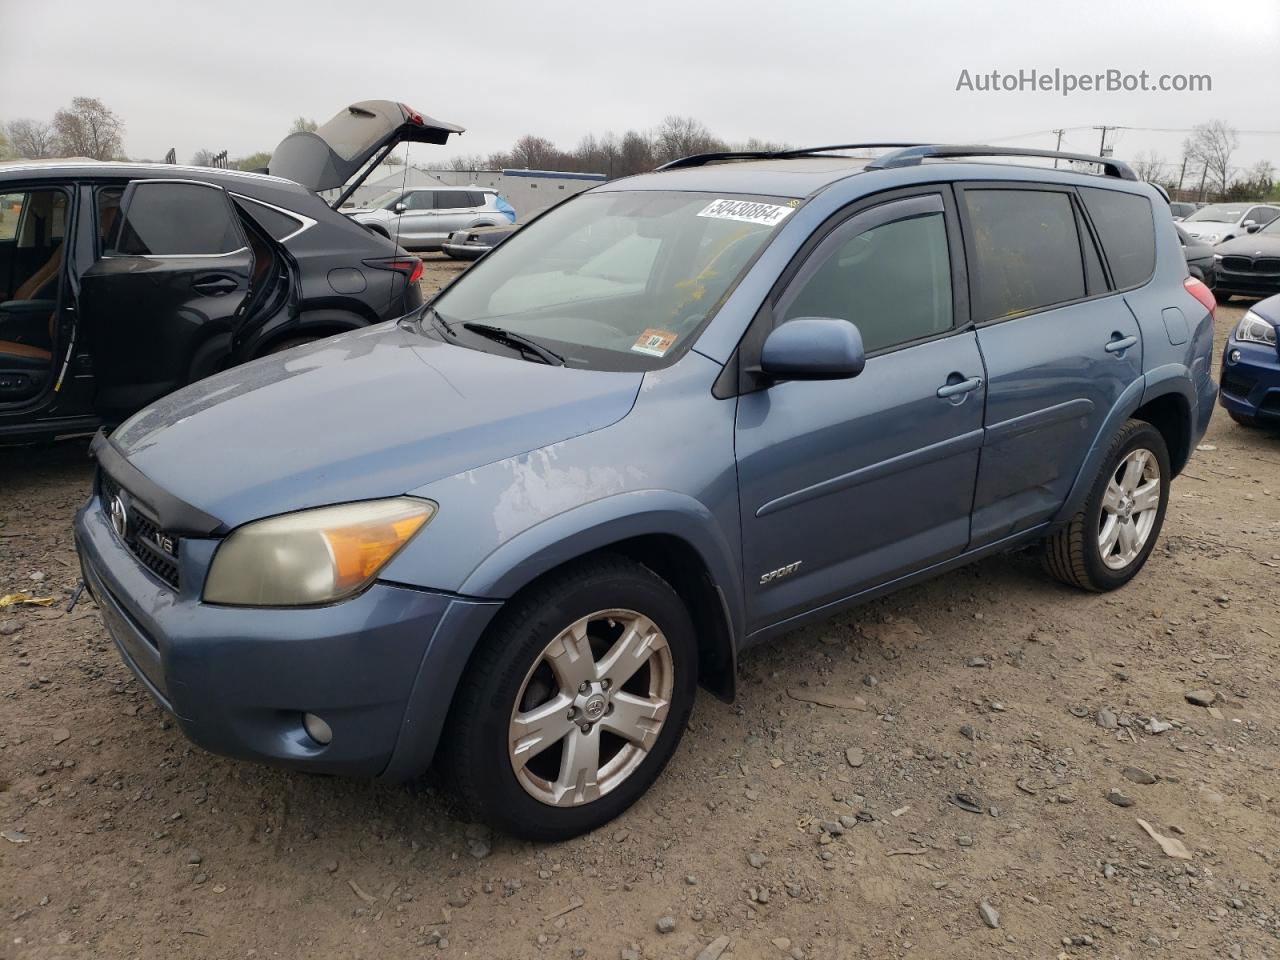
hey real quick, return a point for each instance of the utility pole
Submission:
(1058, 148)
(1182, 173)
(1204, 175)
(1102, 143)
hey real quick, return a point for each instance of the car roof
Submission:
(83, 168)
(801, 177)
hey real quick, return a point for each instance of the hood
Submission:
(337, 150)
(373, 413)
(1201, 227)
(1264, 243)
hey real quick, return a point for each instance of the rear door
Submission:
(417, 221)
(174, 273)
(1060, 347)
(455, 210)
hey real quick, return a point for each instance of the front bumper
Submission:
(379, 668)
(1245, 283)
(1251, 385)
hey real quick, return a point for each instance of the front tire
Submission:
(574, 703)
(1105, 545)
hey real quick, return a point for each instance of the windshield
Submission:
(1221, 212)
(616, 280)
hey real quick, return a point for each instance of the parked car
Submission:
(1181, 211)
(423, 218)
(475, 243)
(1220, 222)
(1250, 376)
(1249, 265)
(1200, 258)
(120, 282)
(673, 417)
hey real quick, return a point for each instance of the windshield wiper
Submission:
(519, 341)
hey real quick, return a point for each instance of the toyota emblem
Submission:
(119, 517)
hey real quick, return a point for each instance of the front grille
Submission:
(1263, 265)
(151, 546)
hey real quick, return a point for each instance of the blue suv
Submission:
(509, 534)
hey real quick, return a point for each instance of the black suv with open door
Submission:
(120, 282)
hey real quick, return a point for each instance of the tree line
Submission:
(635, 151)
(89, 128)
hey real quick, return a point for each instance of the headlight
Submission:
(313, 556)
(1217, 257)
(1254, 329)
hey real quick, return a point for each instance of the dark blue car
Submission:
(673, 417)
(1251, 367)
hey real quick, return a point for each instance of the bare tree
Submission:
(681, 137)
(467, 161)
(756, 145)
(1212, 144)
(1149, 166)
(534, 153)
(203, 158)
(88, 128)
(31, 139)
(635, 154)
(303, 125)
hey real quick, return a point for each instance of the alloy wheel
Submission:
(591, 707)
(1130, 506)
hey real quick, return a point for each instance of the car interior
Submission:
(32, 229)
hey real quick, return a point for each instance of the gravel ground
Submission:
(979, 797)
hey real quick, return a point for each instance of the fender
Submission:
(322, 322)
(1169, 378)
(536, 551)
(598, 524)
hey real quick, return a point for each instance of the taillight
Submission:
(1203, 294)
(410, 267)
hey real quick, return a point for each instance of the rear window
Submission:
(1026, 251)
(1127, 232)
(278, 225)
(177, 219)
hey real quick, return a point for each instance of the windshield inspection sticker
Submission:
(654, 342)
(748, 211)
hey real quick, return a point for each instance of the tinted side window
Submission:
(477, 199)
(278, 225)
(177, 219)
(420, 200)
(892, 281)
(453, 199)
(1026, 251)
(1127, 232)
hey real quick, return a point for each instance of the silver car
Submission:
(422, 218)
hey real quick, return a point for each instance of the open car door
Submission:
(174, 273)
(355, 140)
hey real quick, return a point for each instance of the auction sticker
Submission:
(654, 342)
(747, 211)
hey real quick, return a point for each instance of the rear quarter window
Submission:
(278, 225)
(1127, 231)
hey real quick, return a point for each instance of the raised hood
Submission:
(373, 413)
(338, 150)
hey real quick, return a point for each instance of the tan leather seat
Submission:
(14, 354)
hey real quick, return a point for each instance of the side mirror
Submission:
(813, 348)
(401, 207)
(1251, 227)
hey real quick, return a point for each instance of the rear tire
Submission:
(530, 745)
(1105, 545)
(288, 343)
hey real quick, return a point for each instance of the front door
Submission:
(1060, 348)
(847, 484)
(175, 271)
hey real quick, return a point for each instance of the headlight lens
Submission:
(313, 556)
(1254, 329)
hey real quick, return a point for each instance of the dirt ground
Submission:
(782, 828)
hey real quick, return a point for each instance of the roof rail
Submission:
(912, 156)
(701, 159)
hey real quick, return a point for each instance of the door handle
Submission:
(1120, 345)
(960, 388)
(215, 286)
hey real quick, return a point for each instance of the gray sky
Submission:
(233, 74)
